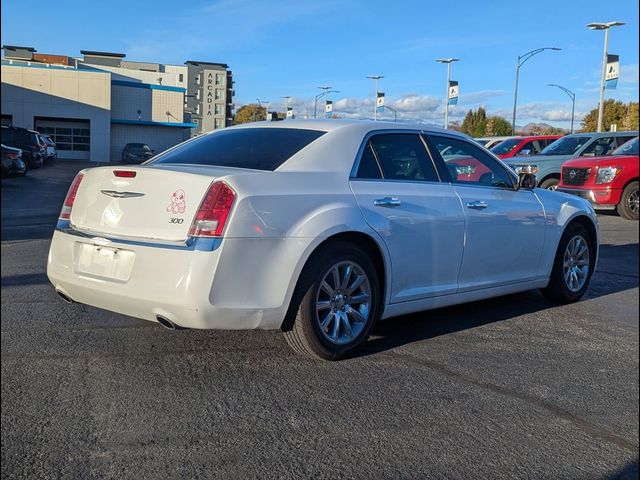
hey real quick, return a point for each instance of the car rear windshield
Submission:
(566, 145)
(506, 146)
(253, 148)
(143, 147)
(629, 148)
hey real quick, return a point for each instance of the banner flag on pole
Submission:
(380, 101)
(328, 106)
(289, 112)
(453, 92)
(613, 72)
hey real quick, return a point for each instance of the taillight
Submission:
(65, 213)
(213, 212)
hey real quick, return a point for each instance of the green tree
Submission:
(497, 126)
(615, 113)
(250, 113)
(475, 123)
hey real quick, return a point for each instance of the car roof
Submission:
(603, 134)
(353, 126)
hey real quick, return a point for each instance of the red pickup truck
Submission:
(609, 182)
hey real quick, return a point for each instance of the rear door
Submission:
(419, 218)
(505, 227)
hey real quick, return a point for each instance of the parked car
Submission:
(607, 182)
(51, 153)
(12, 163)
(318, 228)
(490, 142)
(136, 153)
(546, 166)
(28, 142)
(523, 146)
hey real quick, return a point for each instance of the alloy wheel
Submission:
(633, 202)
(576, 263)
(343, 302)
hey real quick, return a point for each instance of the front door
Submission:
(418, 217)
(505, 227)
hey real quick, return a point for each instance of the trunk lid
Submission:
(158, 203)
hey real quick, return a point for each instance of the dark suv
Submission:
(26, 140)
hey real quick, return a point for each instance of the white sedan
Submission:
(317, 228)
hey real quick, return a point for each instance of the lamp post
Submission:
(259, 107)
(521, 60)
(448, 61)
(603, 26)
(325, 91)
(394, 111)
(286, 104)
(572, 96)
(375, 97)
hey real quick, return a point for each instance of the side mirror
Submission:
(527, 181)
(525, 152)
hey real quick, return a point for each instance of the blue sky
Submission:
(285, 47)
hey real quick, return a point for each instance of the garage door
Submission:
(72, 137)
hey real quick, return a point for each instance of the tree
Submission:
(615, 113)
(475, 122)
(250, 113)
(497, 126)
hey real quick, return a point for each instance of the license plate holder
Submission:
(105, 262)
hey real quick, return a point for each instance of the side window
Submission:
(535, 147)
(599, 147)
(368, 167)
(469, 165)
(623, 140)
(402, 156)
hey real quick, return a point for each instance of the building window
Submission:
(66, 138)
(181, 77)
(217, 123)
(219, 79)
(218, 94)
(218, 109)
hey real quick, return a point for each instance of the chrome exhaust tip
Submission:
(168, 324)
(64, 296)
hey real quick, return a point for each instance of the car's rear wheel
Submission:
(629, 202)
(335, 305)
(572, 267)
(550, 184)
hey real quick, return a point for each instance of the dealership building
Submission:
(93, 105)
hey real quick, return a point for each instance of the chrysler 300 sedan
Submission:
(317, 228)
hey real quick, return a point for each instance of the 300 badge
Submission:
(176, 220)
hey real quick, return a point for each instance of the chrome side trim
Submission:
(191, 244)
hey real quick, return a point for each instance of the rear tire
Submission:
(572, 267)
(628, 206)
(331, 319)
(550, 184)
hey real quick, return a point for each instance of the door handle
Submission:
(387, 202)
(477, 205)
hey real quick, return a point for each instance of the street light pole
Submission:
(395, 112)
(448, 61)
(572, 96)
(286, 104)
(521, 61)
(375, 98)
(603, 26)
(325, 89)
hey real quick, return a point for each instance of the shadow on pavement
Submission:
(629, 472)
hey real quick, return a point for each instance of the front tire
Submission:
(572, 267)
(335, 305)
(550, 184)
(628, 206)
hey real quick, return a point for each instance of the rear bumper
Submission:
(192, 288)
(601, 198)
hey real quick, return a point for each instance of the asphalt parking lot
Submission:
(507, 388)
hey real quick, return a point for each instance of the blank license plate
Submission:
(105, 262)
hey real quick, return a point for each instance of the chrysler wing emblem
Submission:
(117, 194)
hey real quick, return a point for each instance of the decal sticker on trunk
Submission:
(178, 203)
